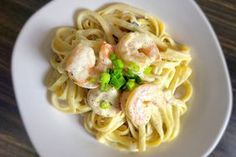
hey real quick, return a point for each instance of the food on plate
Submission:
(126, 75)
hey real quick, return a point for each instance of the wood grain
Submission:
(14, 141)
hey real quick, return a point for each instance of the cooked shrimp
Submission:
(138, 105)
(139, 109)
(81, 66)
(104, 61)
(139, 48)
(141, 100)
(96, 98)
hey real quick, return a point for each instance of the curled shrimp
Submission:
(139, 48)
(139, 108)
(82, 68)
(139, 102)
(104, 61)
(79, 66)
(95, 97)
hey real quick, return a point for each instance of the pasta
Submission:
(126, 75)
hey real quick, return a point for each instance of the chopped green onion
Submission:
(118, 63)
(148, 70)
(117, 77)
(133, 66)
(105, 78)
(105, 105)
(130, 74)
(112, 56)
(130, 84)
(110, 71)
(104, 87)
(138, 79)
(117, 82)
(117, 72)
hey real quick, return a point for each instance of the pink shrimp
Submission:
(81, 65)
(140, 101)
(104, 61)
(139, 48)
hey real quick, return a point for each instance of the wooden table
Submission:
(14, 141)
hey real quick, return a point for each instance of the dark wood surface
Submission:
(14, 141)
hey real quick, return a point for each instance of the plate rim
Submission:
(229, 85)
(216, 41)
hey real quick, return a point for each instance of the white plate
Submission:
(55, 134)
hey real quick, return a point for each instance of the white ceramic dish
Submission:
(55, 134)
